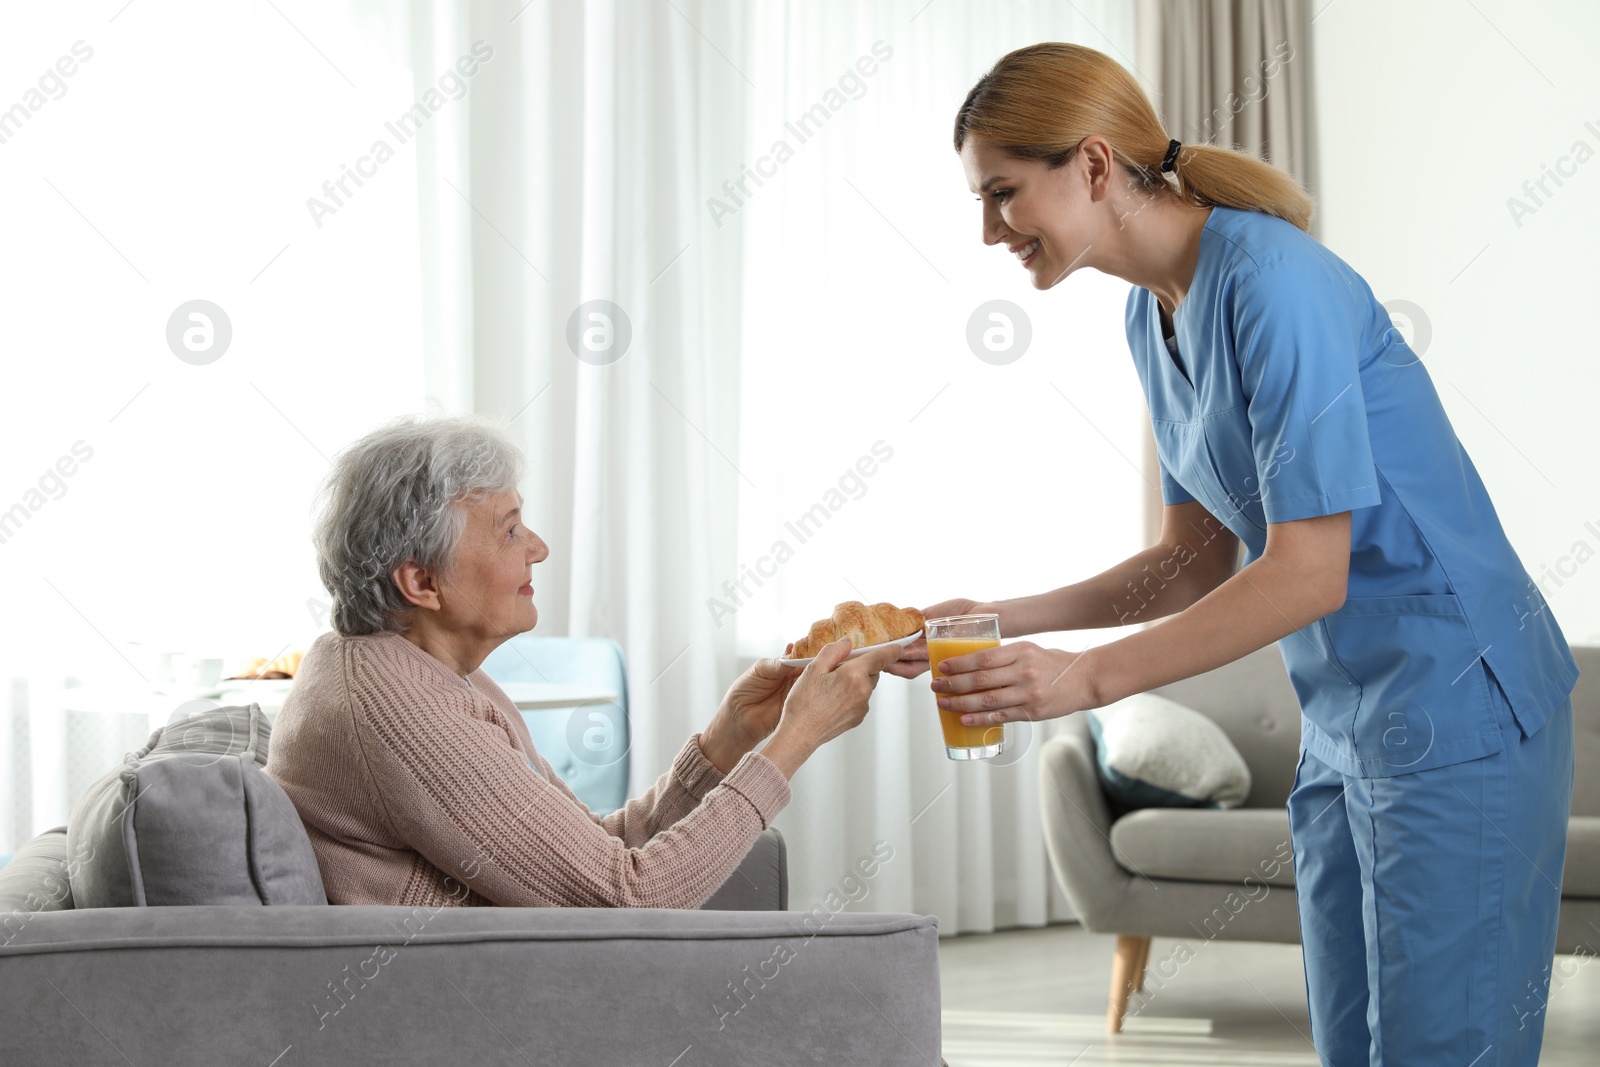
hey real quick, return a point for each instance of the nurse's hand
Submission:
(1012, 682)
(914, 657)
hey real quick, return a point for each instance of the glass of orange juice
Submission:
(957, 636)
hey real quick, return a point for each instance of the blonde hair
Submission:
(1041, 101)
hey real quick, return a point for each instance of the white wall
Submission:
(1430, 118)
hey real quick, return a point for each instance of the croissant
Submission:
(863, 625)
(285, 666)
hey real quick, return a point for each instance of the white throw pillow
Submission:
(1154, 752)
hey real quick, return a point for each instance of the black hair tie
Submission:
(1171, 161)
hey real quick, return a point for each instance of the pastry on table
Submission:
(260, 668)
(864, 625)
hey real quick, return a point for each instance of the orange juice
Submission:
(957, 735)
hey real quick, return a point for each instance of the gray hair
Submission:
(395, 496)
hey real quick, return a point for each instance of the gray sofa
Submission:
(1202, 875)
(740, 981)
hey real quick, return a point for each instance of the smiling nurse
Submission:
(1429, 810)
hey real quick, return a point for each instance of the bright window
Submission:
(883, 459)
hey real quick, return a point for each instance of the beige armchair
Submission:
(1203, 875)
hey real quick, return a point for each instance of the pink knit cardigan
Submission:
(422, 788)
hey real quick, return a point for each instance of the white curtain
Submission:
(863, 270)
(588, 157)
(628, 167)
(580, 180)
(538, 157)
(156, 510)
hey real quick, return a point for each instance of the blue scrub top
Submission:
(1291, 395)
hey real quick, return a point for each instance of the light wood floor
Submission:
(1030, 998)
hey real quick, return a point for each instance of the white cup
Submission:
(202, 672)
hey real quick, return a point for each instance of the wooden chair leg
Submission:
(1141, 967)
(1125, 967)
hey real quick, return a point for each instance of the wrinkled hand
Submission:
(1012, 682)
(754, 703)
(914, 657)
(831, 695)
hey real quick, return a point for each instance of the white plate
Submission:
(902, 642)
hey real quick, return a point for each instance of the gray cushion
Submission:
(35, 880)
(1155, 752)
(1206, 846)
(1214, 846)
(1586, 731)
(213, 731)
(1253, 702)
(192, 818)
(1581, 875)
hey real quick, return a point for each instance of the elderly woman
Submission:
(414, 773)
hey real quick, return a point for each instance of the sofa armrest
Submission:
(364, 984)
(1077, 827)
(760, 882)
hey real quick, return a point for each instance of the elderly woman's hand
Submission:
(829, 699)
(748, 714)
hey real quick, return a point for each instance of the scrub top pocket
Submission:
(1424, 697)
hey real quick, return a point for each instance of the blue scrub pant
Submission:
(1428, 902)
